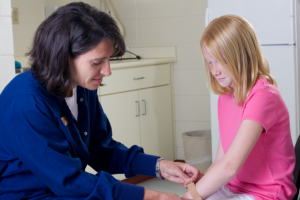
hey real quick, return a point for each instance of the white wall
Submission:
(31, 15)
(180, 23)
(7, 65)
(146, 23)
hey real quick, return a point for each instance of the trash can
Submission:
(197, 148)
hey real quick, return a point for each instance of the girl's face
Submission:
(216, 69)
(88, 69)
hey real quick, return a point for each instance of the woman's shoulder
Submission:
(23, 88)
(22, 83)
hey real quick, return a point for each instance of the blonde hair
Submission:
(233, 42)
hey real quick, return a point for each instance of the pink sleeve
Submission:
(261, 107)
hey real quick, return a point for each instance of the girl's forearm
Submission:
(228, 166)
(218, 175)
(187, 195)
(211, 166)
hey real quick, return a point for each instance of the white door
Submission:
(282, 66)
(215, 133)
(272, 19)
(156, 121)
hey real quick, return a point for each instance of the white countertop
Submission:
(135, 63)
(143, 61)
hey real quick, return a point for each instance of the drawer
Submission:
(135, 78)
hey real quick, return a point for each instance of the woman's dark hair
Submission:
(69, 32)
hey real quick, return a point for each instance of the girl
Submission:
(255, 157)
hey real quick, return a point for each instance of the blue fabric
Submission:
(41, 158)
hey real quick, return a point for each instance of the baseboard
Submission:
(183, 161)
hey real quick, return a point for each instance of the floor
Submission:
(168, 186)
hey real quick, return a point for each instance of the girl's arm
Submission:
(227, 168)
(219, 156)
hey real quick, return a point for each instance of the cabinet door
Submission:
(156, 121)
(122, 110)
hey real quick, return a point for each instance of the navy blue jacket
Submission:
(42, 158)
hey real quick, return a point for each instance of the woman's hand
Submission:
(179, 172)
(155, 195)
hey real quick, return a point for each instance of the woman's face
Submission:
(88, 69)
(216, 69)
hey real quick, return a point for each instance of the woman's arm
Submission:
(228, 166)
(115, 157)
(43, 145)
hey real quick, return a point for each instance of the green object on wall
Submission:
(17, 65)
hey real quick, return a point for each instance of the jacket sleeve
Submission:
(115, 157)
(34, 131)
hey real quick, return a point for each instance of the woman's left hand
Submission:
(178, 172)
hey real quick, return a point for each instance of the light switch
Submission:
(15, 16)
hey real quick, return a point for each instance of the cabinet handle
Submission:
(138, 78)
(138, 108)
(145, 107)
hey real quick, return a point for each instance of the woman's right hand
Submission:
(155, 195)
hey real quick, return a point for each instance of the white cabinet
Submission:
(121, 110)
(138, 104)
(156, 121)
(142, 118)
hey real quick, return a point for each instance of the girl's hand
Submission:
(155, 195)
(187, 195)
(179, 172)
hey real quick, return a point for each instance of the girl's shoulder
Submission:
(261, 89)
(265, 93)
(263, 83)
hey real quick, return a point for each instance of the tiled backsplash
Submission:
(6, 44)
(31, 14)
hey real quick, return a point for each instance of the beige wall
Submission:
(7, 66)
(180, 23)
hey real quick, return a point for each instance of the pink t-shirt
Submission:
(268, 171)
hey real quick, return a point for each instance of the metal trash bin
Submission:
(197, 148)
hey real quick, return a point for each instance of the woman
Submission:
(53, 125)
(255, 157)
